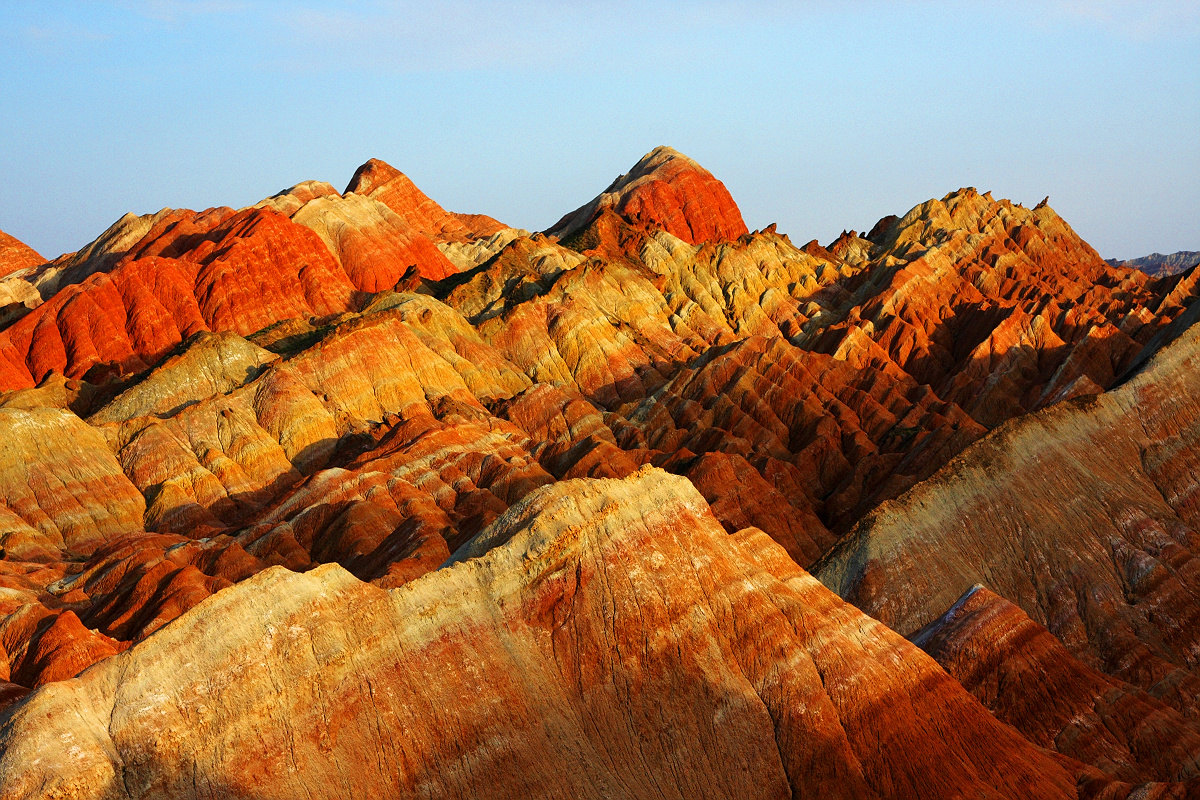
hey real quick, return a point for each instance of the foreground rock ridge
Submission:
(536, 669)
(345, 494)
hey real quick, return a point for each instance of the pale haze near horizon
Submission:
(817, 116)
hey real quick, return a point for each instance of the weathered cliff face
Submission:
(1083, 514)
(1028, 679)
(536, 669)
(366, 380)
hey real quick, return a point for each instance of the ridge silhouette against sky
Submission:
(818, 117)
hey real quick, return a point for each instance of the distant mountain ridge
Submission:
(1160, 265)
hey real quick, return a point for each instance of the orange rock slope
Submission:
(536, 666)
(16, 255)
(668, 190)
(149, 282)
(1082, 515)
(1027, 677)
(586, 470)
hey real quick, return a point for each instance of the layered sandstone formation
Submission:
(1027, 678)
(1083, 515)
(17, 295)
(580, 610)
(15, 255)
(121, 303)
(327, 465)
(670, 191)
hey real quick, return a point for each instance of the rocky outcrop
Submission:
(539, 668)
(121, 303)
(999, 308)
(373, 245)
(108, 249)
(210, 364)
(62, 489)
(837, 437)
(383, 182)
(42, 646)
(523, 268)
(230, 271)
(18, 261)
(424, 227)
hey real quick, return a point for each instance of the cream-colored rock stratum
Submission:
(536, 665)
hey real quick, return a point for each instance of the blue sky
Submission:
(819, 116)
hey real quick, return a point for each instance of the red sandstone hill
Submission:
(149, 282)
(668, 190)
(567, 485)
(17, 260)
(16, 255)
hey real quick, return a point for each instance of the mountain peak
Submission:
(668, 190)
(657, 158)
(373, 175)
(1161, 264)
(381, 181)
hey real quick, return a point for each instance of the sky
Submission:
(818, 116)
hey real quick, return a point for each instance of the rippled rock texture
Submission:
(344, 493)
(537, 665)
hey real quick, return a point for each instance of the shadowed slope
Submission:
(999, 308)
(1084, 515)
(1029, 680)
